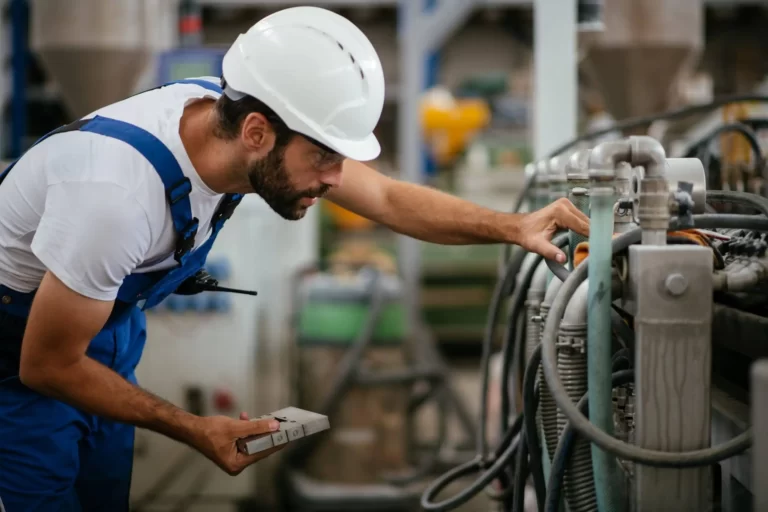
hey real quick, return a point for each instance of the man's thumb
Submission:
(256, 427)
(549, 251)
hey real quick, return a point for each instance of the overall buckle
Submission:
(178, 190)
(186, 239)
(226, 210)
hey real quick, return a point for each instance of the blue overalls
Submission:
(54, 457)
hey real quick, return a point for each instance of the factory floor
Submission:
(465, 381)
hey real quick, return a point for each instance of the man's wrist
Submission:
(511, 233)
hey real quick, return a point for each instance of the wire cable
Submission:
(637, 122)
(582, 424)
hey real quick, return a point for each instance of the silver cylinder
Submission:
(683, 172)
(572, 367)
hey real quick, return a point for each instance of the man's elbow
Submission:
(41, 376)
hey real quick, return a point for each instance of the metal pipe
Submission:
(653, 211)
(599, 338)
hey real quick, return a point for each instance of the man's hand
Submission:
(536, 229)
(217, 440)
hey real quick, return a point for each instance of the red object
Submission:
(223, 400)
(190, 24)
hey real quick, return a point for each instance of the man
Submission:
(112, 213)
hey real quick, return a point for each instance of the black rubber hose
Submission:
(754, 201)
(502, 290)
(638, 122)
(530, 405)
(740, 128)
(466, 469)
(507, 352)
(731, 221)
(521, 475)
(582, 424)
(514, 346)
(564, 445)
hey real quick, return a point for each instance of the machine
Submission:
(635, 358)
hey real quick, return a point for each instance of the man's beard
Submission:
(269, 178)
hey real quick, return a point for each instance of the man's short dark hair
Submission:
(232, 112)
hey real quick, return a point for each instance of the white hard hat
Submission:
(318, 72)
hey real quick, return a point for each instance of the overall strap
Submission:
(177, 185)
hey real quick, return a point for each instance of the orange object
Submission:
(346, 219)
(582, 250)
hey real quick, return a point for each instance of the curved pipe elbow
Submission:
(576, 311)
(649, 153)
(607, 155)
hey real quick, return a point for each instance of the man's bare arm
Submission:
(437, 217)
(53, 362)
(60, 327)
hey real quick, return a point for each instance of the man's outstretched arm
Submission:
(433, 216)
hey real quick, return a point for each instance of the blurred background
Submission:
(475, 91)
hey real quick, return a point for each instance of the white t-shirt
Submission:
(91, 209)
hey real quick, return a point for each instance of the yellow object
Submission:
(582, 250)
(735, 147)
(449, 124)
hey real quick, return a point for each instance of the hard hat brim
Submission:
(362, 150)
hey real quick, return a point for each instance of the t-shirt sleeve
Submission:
(91, 235)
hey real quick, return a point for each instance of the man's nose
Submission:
(332, 177)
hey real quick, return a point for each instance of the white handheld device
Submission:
(295, 423)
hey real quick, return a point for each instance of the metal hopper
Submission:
(640, 55)
(96, 50)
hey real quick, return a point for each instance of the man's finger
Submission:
(256, 427)
(577, 221)
(256, 457)
(548, 250)
(244, 416)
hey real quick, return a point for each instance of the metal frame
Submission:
(672, 290)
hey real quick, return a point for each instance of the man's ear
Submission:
(257, 134)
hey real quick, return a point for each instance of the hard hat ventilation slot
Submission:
(341, 47)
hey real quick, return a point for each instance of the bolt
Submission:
(676, 284)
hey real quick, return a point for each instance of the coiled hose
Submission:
(572, 365)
